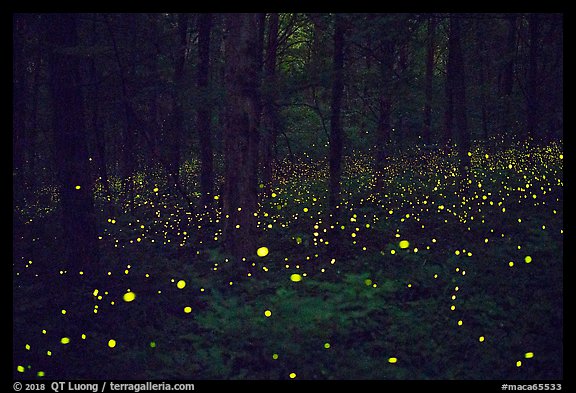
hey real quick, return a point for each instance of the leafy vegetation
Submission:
(436, 277)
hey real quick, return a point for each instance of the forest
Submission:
(287, 196)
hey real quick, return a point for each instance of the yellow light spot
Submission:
(20, 369)
(65, 340)
(216, 197)
(404, 244)
(519, 363)
(368, 282)
(481, 339)
(111, 343)
(327, 345)
(529, 355)
(262, 251)
(292, 375)
(305, 210)
(510, 263)
(129, 296)
(40, 374)
(155, 189)
(460, 323)
(77, 187)
(296, 277)
(63, 312)
(267, 313)
(275, 356)
(528, 259)
(152, 344)
(181, 284)
(392, 360)
(392, 252)
(187, 309)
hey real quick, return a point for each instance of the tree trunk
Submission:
(428, 79)
(336, 137)
(204, 115)
(70, 142)
(458, 92)
(240, 134)
(269, 111)
(532, 103)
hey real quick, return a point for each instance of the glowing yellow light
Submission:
(95, 293)
(519, 363)
(305, 210)
(296, 277)
(275, 356)
(155, 189)
(152, 344)
(77, 187)
(187, 309)
(65, 340)
(460, 323)
(392, 360)
(111, 343)
(262, 251)
(529, 355)
(481, 339)
(392, 252)
(20, 369)
(510, 263)
(267, 313)
(40, 374)
(216, 197)
(404, 244)
(368, 282)
(63, 312)
(528, 259)
(129, 296)
(561, 156)
(292, 375)
(327, 345)
(181, 284)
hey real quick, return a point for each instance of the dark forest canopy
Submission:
(210, 138)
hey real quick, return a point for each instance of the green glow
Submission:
(152, 344)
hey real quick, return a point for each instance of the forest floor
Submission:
(430, 280)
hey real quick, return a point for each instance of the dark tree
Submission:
(240, 134)
(76, 184)
(532, 91)
(336, 132)
(269, 105)
(456, 83)
(204, 114)
(428, 79)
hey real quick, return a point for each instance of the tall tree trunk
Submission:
(177, 124)
(204, 115)
(336, 137)
(532, 102)
(428, 79)
(458, 92)
(70, 142)
(507, 76)
(269, 110)
(240, 134)
(384, 126)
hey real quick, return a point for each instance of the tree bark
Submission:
(336, 137)
(70, 142)
(428, 79)
(240, 134)
(204, 114)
